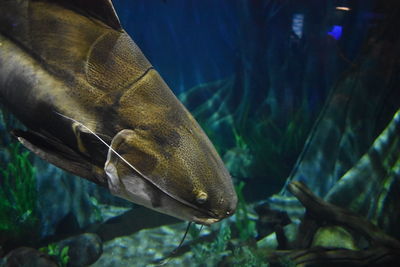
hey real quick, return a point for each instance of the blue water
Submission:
(188, 42)
(291, 90)
(192, 42)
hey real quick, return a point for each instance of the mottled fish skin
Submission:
(66, 68)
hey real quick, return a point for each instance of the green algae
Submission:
(18, 195)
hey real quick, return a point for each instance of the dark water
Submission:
(288, 91)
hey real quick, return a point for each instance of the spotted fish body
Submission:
(73, 76)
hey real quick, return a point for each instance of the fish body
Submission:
(96, 107)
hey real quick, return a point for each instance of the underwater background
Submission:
(300, 98)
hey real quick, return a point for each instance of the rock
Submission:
(334, 237)
(27, 257)
(83, 249)
(147, 247)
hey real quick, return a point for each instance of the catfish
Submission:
(94, 106)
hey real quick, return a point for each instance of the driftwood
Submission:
(382, 250)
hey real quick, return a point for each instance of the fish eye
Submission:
(201, 197)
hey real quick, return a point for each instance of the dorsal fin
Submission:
(102, 10)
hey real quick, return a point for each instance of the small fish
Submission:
(96, 107)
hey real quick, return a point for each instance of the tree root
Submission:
(382, 250)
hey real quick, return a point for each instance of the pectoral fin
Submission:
(90, 144)
(123, 179)
(58, 154)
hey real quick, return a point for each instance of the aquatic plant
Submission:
(253, 143)
(286, 262)
(96, 209)
(60, 254)
(232, 240)
(18, 195)
(247, 257)
(275, 145)
(246, 227)
(214, 251)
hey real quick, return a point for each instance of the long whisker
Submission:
(167, 259)
(183, 239)
(130, 165)
(201, 228)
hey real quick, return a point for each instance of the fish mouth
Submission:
(212, 217)
(206, 221)
(138, 190)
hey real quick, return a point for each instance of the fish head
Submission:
(165, 161)
(187, 181)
